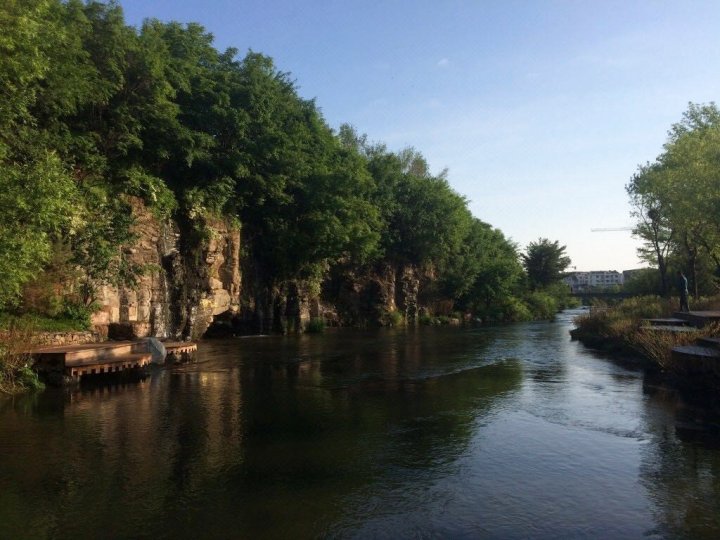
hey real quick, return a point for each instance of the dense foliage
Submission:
(676, 200)
(545, 262)
(93, 111)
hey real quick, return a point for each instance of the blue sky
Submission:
(540, 110)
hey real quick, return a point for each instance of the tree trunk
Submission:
(662, 268)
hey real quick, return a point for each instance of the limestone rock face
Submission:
(212, 270)
(192, 281)
(186, 280)
(360, 298)
(407, 292)
(371, 297)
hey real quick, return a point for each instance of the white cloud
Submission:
(444, 62)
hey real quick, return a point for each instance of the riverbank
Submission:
(640, 326)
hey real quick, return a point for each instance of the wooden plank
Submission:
(113, 365)
(697, 351)
(670, 321)
(711, 341)
(103, 358)
(668, 328)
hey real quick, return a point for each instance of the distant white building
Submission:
(594, 280)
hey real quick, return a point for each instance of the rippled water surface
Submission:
(509, 432)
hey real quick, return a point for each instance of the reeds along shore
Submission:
(622, 328)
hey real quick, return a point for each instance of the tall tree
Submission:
(676, 199)
(37, 195)
(493, 267)
(691, 161)
(650, 206)
(544, 262)
(37, 202)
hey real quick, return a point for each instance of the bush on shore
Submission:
(316, 325)
(657, 345)
(15, 373)
(621, 327)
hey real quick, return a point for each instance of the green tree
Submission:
(649, 201)
(302, 198)
(93, 111)
(493, 265)
(544, 262)
(692, 164)
(25, 41)
(677, 198)
(37, 201)
(37, 193)
(425, 222)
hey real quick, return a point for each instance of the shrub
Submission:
(27, 379)
(542, 305)
(508, 309)
(516, 310)
(152, 190)
(316, 325)
(393, 318)
(15, 373)
(426, 319)
(78, 314)
(704, 303)
(642, 307)
(560, 292)
(39, 323)
(657, 345)
(621, 327)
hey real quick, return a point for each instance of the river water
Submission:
(502, 432)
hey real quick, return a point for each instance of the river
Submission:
(497, 432)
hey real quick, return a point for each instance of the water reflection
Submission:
(681, 468)
(236, 442)
(508, 432)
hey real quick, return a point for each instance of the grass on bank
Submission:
(621, 328)
(17, 331)
(16, 338)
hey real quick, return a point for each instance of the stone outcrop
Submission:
(369, 296)
(212, 277)
(407, 293)
(192, 283)
(187, 279)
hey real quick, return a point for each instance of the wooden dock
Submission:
(180, 351)
(73, 362)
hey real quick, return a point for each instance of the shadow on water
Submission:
(264, 440)
(500, 432)
(680, 469)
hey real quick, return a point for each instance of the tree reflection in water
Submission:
(511, 431)
(680, 468)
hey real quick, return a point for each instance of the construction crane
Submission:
(607, 229)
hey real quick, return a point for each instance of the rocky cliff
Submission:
(187, 279)
(371, 296)
(194, 280)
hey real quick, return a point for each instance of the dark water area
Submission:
(504, 432)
